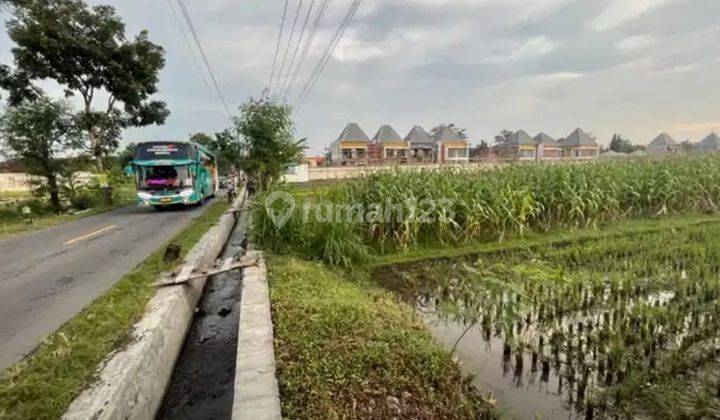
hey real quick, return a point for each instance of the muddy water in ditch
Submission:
(202, 383)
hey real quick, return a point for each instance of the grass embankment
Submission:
(42, 385)
(347, 350)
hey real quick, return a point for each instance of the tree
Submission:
(225, 146)
(85, 50)
(620, 145)
(481, 150)
(461, 131)
(268, 144)
(127, 155)
(686, 146)
(503, 137)
(36, 133)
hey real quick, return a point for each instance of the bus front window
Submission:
(164, 177)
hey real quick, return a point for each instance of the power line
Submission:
(204, 57)
(322, 63)
(297, 48)
(287, 48)
(311, 39)
(277, 48)
(328, 53)
(190, 47)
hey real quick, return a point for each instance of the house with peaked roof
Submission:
(394, 148)
(709, 144)
(450, 147)
(421, 144)
(663, 144)
(351, 146)
(520, 146)
(548, 147)
(579, 145)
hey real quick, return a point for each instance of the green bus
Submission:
(172, 173)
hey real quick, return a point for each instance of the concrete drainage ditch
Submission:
(215, 373)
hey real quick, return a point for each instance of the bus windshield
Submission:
(164, 177)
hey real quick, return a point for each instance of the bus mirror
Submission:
(129, 170)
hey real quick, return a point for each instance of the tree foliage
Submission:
(85, 50)
(461, 131)
(224, 144)
(621, 145)
(268, 144)
(503, 137)
(37, 133)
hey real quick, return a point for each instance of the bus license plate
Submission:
(166, 200)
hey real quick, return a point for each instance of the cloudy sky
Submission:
(636, 67)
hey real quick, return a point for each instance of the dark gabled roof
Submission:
(448, 134)
(711, 142)
(419, 137)
(353, 132)
(546, 140)
(663, 139)
(521, 137)
(387, 134)
(578, 138)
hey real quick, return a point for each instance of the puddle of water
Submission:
(524, 389)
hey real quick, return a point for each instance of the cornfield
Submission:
(455, 206)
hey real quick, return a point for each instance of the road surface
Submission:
(48, 276)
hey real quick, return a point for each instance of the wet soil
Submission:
(202, 383)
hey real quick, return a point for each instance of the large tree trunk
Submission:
(95, 146)
(54, 192)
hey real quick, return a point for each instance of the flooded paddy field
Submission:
(616, 327)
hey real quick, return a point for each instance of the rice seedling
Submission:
(621, 319)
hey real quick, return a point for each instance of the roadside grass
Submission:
(346, 349)
(11, 222)
(43, 385)
(17, 225)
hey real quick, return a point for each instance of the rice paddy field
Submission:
(522, 274)
(622, 326)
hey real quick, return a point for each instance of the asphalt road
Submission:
(48, 276)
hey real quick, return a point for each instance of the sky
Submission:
(634, 67)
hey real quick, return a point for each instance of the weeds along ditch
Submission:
(347, 223)
(621, 326)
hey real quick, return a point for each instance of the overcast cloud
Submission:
(636, 67)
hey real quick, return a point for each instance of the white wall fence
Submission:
(19, 181)
(304, 173)
(14, 182)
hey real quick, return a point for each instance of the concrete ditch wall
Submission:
(256, 394)
(132, 382)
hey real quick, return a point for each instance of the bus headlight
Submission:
(186, 193)
(144, 195)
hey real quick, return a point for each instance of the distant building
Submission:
(709, 144)
(662, 145)
(579, 145)
(394, 148)
(421, 144)
(548, 147)
(351, 147)
(520, 146)
(450, 147)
